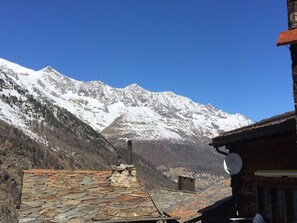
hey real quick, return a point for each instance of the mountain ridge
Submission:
(76, 124)
(165, 114)
(36, 133)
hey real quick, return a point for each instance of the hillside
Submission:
(19, 152)
(158, 122)
(43, 135)
(49, 120)
(144, 114)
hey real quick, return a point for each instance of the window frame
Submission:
(287, 203)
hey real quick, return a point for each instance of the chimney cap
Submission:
(122, 167)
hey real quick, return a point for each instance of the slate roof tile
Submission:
(81, 196)
(186, 206)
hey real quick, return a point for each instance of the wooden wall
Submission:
(272, 153)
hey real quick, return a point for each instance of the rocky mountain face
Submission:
(131, 111)
(62, 117)
(36, 133)
(163, 123)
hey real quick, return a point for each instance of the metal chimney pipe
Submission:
(129, 147)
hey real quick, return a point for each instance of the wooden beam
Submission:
(287, 37)
(276, 173)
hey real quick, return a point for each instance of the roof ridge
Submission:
(53, 171)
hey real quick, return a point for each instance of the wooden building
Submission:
(267, 181)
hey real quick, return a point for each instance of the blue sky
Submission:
(218, 52)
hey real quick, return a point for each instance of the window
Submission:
(293, 206)
(264, 200)
(277, 205)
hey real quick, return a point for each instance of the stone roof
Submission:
(166, 199)
(82, 196)
(191, 205)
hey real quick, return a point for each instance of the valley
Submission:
(49, 120)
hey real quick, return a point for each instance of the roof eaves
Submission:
(275, 125)
(138, 220)
(217, 204)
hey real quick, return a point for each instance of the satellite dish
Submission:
(232, 164)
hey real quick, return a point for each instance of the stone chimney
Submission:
(123, 175)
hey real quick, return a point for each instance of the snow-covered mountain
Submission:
(130, 111)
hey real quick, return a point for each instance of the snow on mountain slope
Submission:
(146, 115)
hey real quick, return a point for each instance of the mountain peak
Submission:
(49, 69)
(155, 115)
(5, 64)
(99, 83)
(55, 74)
(135, 88)
(134, 85)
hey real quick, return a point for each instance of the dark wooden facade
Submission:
(268, 145)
